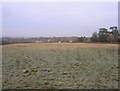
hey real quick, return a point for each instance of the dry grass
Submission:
(60, 66)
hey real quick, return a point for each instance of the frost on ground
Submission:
(60, 66)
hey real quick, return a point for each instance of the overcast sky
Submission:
(57, 19)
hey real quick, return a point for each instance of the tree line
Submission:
(106, 36)
(103, 35)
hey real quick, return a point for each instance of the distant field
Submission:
(60, 66)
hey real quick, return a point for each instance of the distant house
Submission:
(70, 41)
(49, 40)
(59, 42)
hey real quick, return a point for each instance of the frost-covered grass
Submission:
(60, 66)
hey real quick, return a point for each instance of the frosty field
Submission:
(60, 66)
